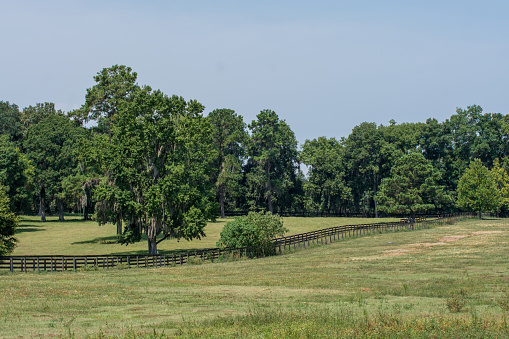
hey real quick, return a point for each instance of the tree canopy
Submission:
(272, 160)
(153, 164)
(8, 224)
(477, 189)
(412, 187)
(229, 137)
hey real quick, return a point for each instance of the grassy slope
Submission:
(75, 237)
(410, 275)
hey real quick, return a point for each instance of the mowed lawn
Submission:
(400, 281)
(77, 237)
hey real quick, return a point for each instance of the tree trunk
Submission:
(374, 194)
(85, 213)
(413, 217)
(269, 189)
(119, 224)
(152, 246)
(60, 205)
(151, 235)
(221, 200)
(479, 215)
(42, 205)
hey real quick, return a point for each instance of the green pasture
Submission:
(77, 237)
(448, 281)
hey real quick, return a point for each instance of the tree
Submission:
(502, 180)
(326, 186)
(229, 135)
(8, 224)
(32, 115)
(412, 187)
(114, 85)
(50, 146)
(255, 230)
(10, 121)
(156, 164)
(477, 189)
(16, 175)
(272, 159)
(368, 158)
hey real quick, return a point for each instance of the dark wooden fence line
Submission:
(281, 245)
(317, 214)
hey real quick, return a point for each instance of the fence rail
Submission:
(281, 245)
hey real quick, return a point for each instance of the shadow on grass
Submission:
(161, 252)
(51, 219)
(99, 240)
(28, 229)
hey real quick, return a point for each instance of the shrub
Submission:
(456, 302)
(256, 230)
(8, 224)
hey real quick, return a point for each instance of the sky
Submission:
(323, 66)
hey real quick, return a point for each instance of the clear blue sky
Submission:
(323, 66)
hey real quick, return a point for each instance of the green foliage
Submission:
(256, 230)
(156, 159)
(272, 161)
(8, 224)
(239, 233)
(412, 187)
(368, 158)
(51, 145)
(229, 136)
(477, 189)
(32, 115)
(502, 180)
(10, 121)
(326, 186)
(16, 175)
(114, 85)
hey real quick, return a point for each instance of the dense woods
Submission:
(157, 165)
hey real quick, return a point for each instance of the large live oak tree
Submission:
(156, 162)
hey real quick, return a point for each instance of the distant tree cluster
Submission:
(153, 164)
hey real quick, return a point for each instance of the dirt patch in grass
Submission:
(486, 232)
(419, 247)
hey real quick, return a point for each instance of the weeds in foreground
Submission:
(456, 302)
(503, 302)
(326, 323)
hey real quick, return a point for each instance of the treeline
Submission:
(154, 164)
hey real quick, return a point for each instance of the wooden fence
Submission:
(281, 245)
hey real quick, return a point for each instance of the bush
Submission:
(456, 302)
(8, 224)
(256, 230)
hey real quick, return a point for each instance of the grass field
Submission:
(76, 237)
(449, 281)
